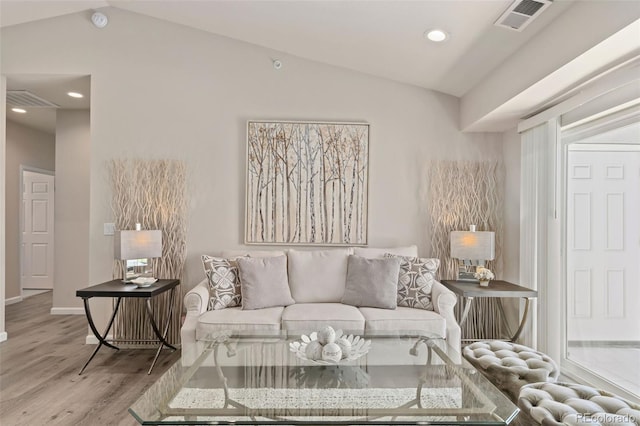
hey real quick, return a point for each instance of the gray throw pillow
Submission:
(372, 282)
(264, 282)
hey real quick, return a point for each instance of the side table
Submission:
(496, 289)
(118, 290)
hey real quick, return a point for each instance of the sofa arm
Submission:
(188, 342)
(444, 301)
(197, 299)
(195, 302)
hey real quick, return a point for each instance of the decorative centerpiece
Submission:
(329, 346)
(483, 275)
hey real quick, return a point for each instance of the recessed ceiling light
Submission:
(436, 35)
(75, 95)
(19, 110)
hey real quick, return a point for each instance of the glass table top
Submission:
(399, 377)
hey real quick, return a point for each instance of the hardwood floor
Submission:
(39, 365)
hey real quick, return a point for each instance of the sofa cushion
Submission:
(372, 282)
(403, 318)
(224, 283)
(231, 254)
(318, 276)
(267, 319)
(372, 252)
(264, 282)
(415, 281)
(307, 317)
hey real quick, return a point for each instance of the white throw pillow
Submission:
(318, 276)
(376, 253)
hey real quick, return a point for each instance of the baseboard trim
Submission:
(93, 340)
(12, 300)
(3, 336)
(67, 311)
(604, 343)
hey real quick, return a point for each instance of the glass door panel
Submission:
(603, 262)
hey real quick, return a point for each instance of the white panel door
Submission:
(37, 230)
(603, 245)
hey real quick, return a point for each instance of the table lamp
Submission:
(136, 247)
(472, 248)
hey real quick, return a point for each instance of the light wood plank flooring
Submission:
(39, 364)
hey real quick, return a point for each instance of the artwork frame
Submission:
(307, 183)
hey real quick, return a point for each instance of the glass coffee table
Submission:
(242, 378)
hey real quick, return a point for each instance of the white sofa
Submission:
(317, 280)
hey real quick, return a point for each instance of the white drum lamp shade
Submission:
(468, 245)
(138, 244)
(472, 249)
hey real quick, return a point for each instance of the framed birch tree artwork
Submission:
(307, 183)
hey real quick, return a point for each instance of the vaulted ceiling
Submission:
(386, 39)
(382, 38)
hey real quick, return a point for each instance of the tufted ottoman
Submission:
(510, 366)
(572, 404)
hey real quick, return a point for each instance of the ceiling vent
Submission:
(26, 99)
(521, 13)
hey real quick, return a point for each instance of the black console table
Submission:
(118, 290)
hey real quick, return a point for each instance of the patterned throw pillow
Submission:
(224, 282)
(415, 281)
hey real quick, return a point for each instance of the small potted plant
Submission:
(483, 275)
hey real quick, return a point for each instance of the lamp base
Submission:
(466, 269)
(467, 276)
(136, 268)
(129, 278)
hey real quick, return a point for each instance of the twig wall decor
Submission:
(307, 183)
(152, 193)
(463, 193)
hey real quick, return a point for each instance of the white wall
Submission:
(24, 147)
(72, 209)
(160, 90)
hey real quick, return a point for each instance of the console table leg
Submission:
(162, 337)
(101, 338)
(523, 320)
(467, 306)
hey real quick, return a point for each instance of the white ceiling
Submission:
(382, 38)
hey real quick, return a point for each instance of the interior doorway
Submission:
(32, 142)
(37, 229)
